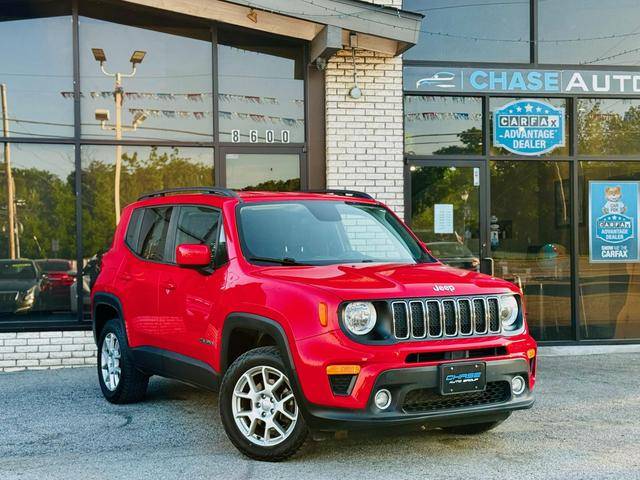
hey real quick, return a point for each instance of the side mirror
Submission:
(193, 255)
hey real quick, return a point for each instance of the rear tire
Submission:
(474, 428)
(258, 408)
(120, 381)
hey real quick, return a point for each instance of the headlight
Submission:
(30, 296)
(360, 317)
(508, 311)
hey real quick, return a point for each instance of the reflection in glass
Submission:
(168, 95)
(608, 126)
(472, 30)
(436, 125)
(144, 169)
(609, 292)
(445, 213)
(531, 240)
(592, 32)
(273, 172)
(36, 66)
(37, 251)
(497, 103)
(261, 97)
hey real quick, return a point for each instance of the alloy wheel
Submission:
(110, 361)
(264, 407)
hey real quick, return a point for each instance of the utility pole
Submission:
(11, 218)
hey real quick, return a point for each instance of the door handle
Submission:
(125, 277)
(169, 286)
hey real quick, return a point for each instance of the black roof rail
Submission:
(223, 192)
(344, 193)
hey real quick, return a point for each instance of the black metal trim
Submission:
(222, 192)
(343, 193)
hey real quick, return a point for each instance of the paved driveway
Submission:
(55, 425)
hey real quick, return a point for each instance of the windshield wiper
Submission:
(279, 261)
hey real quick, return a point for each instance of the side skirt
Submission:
(156, 361)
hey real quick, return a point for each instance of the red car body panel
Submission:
(181, 310)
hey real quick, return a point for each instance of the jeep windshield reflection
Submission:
(319, 232)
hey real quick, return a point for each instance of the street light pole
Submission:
(118, 130)
(11, 220)
(136, 58)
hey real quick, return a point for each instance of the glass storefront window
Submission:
(257, 171)
(37, 233)
(608, 126)
(36, 67)
(609, 292)
(170, 95)
(445, 213)
(498, 102)
(591, 32)
(144, 169)
(439, 125)
(531, 239)
(261, 83)
(472, 30)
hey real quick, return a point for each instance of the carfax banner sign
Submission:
(528, 127)
(613, 221)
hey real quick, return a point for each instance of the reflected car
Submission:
(454, 254)
(61, 274)
(21, 284)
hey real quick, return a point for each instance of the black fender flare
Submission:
(239, 320)
(103, 298)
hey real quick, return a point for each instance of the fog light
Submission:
(382, 399)
(518, 385)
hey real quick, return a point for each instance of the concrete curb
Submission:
(586, 350)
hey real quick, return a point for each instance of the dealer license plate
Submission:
(462, 377)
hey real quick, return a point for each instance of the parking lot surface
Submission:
(56, 425)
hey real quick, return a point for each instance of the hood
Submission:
(20, 285)
(372, 281)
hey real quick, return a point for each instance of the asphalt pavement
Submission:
(56, 425)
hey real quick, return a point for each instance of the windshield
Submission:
(320, 232)
(17, 270)
(449, 249)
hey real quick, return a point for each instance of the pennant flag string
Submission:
(255, 117)
(192, 97)
(421, 116)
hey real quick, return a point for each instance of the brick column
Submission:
(365, 136)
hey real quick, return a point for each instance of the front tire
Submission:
(120, 381)
(258, 407)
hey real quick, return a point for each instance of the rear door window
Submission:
(152, 241)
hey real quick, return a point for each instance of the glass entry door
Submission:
(445, 207)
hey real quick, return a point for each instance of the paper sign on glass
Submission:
(443, 218)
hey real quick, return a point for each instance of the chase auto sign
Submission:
(483, 80)
(528, 127)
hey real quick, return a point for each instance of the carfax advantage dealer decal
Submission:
(613, 221)
(528, 127)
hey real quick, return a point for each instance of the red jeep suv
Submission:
(307, 311)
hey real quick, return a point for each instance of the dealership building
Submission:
(506, 134)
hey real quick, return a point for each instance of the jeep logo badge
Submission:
(444, 288)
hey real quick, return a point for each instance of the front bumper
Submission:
(401, 382)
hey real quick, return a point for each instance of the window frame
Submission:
(81, 321)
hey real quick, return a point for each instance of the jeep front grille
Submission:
(445, 317)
